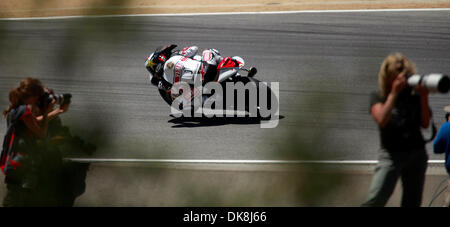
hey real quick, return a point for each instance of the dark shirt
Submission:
(402, 133)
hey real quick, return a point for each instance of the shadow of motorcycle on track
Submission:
(192, 122)
(231, 114)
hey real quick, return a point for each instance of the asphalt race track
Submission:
(326, 65)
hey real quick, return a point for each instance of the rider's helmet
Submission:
(155, 62)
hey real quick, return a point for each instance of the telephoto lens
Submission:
(434, 83)
(62, 99)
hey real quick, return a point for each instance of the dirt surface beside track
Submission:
(46, 8)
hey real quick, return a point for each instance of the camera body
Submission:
(61, 99)
(434, 83)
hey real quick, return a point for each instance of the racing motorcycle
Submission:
(231, 70)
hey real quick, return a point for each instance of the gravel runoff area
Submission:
(47, 8)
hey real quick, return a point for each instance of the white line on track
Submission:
(229, 13)
(219, 161)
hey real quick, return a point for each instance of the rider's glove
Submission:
(160, 85)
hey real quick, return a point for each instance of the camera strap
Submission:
(433, 130)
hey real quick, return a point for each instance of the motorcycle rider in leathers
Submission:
(167, 68)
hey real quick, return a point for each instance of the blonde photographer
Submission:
(400, 112)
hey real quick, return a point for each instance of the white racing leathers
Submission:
(186, 65)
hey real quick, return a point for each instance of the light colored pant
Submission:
(409, 166)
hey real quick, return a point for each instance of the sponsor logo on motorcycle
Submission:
(179, 69)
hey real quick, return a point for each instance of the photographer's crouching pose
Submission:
(24, 141)
(400, 111)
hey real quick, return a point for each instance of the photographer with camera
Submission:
(400, 112)
(61, 181)
(25, 141)
(441, 145)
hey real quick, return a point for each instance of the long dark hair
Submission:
(28, 87)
